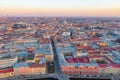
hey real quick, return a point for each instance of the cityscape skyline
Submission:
(85, 8)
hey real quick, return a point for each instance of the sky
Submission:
(86, 8)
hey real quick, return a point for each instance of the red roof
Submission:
(7, 70)
(30, 49)
(104, 65)
(80, 60)
(34, 65)
(116, 65)
(85, 47)
(108, 65)
(89, 48)
(79, 47)
(93, 52)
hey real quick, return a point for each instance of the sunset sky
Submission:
(60, 8)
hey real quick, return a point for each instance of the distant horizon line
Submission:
(66, 16)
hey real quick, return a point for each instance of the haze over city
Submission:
(110, 8)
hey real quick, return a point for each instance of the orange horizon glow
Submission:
(64, 12)
(70, 10)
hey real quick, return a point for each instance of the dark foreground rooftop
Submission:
(45, 79)
(87, 79)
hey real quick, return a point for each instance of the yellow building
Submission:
(37, 57)
(102, 44)
(49, 57)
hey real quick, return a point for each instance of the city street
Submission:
(57, 65)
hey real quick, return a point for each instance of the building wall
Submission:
(7, 62)
(22, 71)
(109, 71)
(4, 75)
(91, 70)
(81, 70)
(38, 70)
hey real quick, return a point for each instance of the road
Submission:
(56, 62)
(31, 77)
